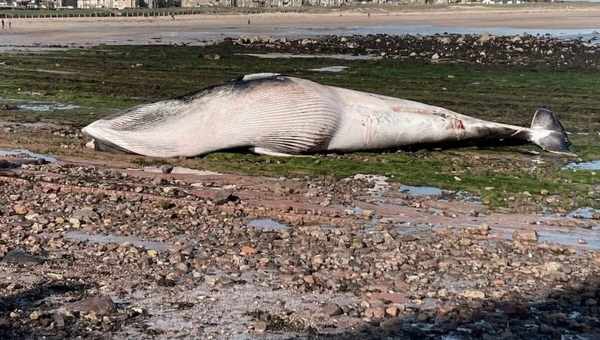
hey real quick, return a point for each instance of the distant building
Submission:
(196, 3)
(117, 4)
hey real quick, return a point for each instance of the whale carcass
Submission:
(279, 115)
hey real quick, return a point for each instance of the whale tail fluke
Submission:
(548, 133)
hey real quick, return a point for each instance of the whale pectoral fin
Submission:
(269, 152)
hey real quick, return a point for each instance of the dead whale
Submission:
(274, 114)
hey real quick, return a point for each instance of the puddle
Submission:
(380, 184)
(26, 154)
(36, 106)
(178, 170)
(267, 224)
(332, 69)
(592, 165)
(420, 191)
(106, 239)
(571, 238)
(326, 56)
(46, 107)
(584, 213)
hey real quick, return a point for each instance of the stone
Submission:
(473, 294)
(525, 235)
(552, 267)
(166, 168)
(20, 209)
(259, 327)
(331, 309)
(183, 267)
(392, 311)
(75, 223)
(99, 305)
(247, 250)
(375, 312)
(20, 257)
(398, 298)
(223, 197)
(59, 320)
(86, 214)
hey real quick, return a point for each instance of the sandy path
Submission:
(199, 28)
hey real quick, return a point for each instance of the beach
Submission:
(200, 29)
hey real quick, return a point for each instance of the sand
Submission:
(199, 29)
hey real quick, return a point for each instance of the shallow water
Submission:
(332, 69)
(571, 238)
(592, 165)
(178, 170)
(26, 154)
(420, 191)
(583, 213)
(301, 56)
(267, 224)
(38, 106)
(46, 107)
(106, 239)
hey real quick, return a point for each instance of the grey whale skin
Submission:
(278, 115)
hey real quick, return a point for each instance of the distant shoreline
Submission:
(202, 28)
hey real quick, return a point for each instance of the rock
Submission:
(8, 107)
(392, 311)
(166, 168)
(247, 250)
(59, 320)
(552, 267)
(375, 312)
(331, 309)
(223, 197)
(485, 37)
(34, 315)
(473, 294)
(86, 214)
(259, 327)
(20, 257)
(397, 298)
(183, 267)
(99, 305)
(525, 235)
(20, 209)
(435, 57)
(75, 223)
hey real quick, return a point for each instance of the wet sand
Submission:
(198, 29)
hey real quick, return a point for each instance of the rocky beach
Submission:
(468, 242)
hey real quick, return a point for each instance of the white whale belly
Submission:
(369, 121)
